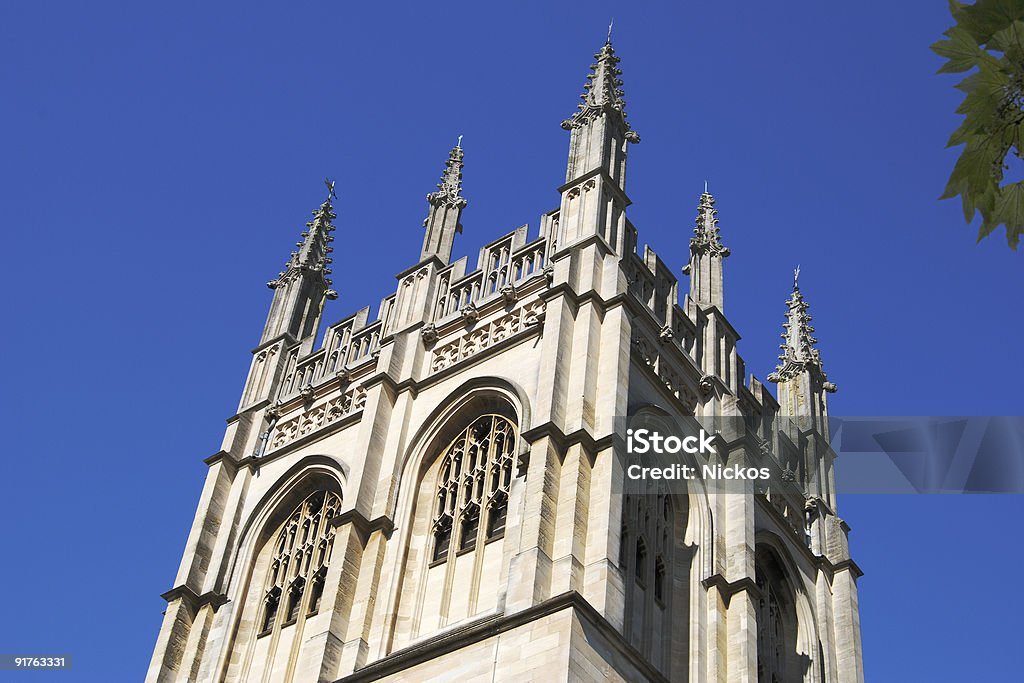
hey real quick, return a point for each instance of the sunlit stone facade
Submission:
(435, 494)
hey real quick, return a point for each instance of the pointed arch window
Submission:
(776, 620)
(646, 561)
(471, 502)
(302, 550)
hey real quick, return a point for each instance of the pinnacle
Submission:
(313, 253)
(798, 350)
(449, 189)
(602, 92)
(706, 235)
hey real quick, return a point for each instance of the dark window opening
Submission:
(497, 517)
(442, 541)
(640, 564)
(270, 611)
(659, 580)
(470, 526)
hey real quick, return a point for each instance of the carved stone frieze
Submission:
(318, 416)
(486, 335)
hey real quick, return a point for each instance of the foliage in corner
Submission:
(988, 36)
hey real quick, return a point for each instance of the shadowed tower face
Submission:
(435, 493)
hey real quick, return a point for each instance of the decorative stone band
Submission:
(318, 416)
(483, 336)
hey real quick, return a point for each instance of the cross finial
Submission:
(796, 278)
(459, 143)
(610, 31)
(330, 189)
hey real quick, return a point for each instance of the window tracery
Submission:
(645, 559)
(302, 550)
(776, 622)
(473, 485)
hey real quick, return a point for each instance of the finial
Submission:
(330, 189)
(459, 143)
(705, 187)
(796, 278)
(610, 23)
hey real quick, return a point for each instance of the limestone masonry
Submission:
(437, 494)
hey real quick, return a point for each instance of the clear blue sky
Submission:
(159, 161)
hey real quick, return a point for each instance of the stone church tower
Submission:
(437, 494)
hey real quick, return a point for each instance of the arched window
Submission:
(645, 558)
(771, 665)
(776, 621)
(473, 482)
(302, 550)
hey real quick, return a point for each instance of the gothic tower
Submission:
(437, 494)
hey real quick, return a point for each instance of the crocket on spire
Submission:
(798, 348)
(602, 92)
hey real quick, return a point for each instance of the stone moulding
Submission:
(495, 624)
(485, 335)
(318, 416)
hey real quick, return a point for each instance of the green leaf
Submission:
(1010, 41)
(985, 18)
(1009, 211)
(982, 201)
(988, 36)
(960, 49)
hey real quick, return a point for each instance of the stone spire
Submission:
(599, 129)
(301, 288)
(445, 212)
(801, 378)
(706, 254)
(601, 93)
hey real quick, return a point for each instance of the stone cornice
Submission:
(432, 259)
(287, 339)
(563, 440)
(223, 457)
(600, 171)
(248, 410)
(595, 239)
(727, 588)
(363, 525)
(194, 600)
(490, 626)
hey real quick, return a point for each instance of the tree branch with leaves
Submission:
(988, 36)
